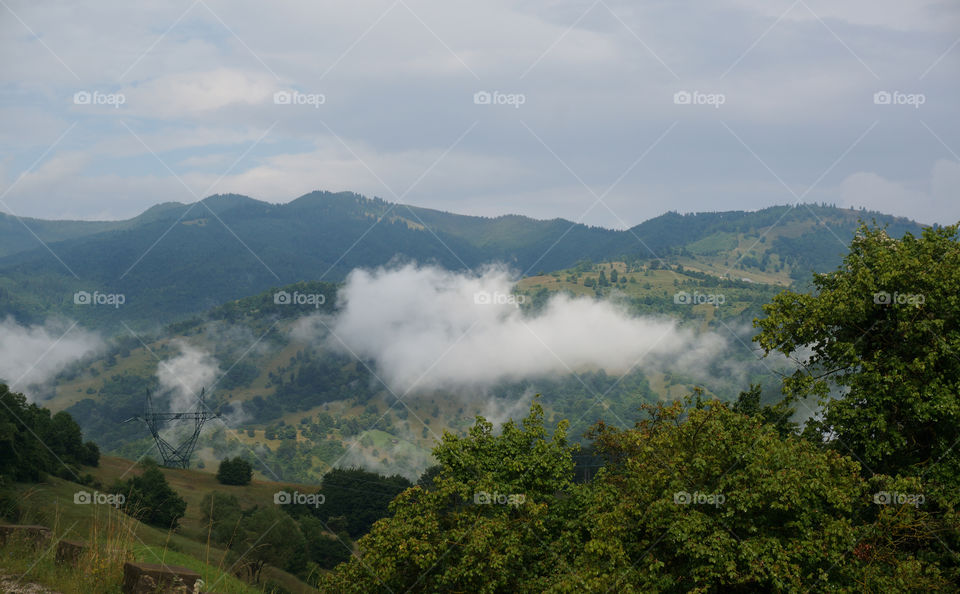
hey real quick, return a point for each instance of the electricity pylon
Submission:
(176, 456)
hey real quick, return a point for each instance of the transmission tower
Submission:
(176, 456)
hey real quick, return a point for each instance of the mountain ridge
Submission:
(174, 259)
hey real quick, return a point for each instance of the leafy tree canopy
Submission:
(878, 345)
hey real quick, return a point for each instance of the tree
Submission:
(695, 498)
(235, 471)
(779, 414)
(22, 456)
(150, 498)
(323, 548)
(221, 515)
(361, 496)
(487, 524)
(877, 346)
(266, 535)
(32, 442)
(705, 499)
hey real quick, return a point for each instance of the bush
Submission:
(236, 471)
(150, 498)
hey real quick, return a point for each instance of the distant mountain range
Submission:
(175, 260)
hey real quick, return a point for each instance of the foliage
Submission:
(878, 346)
(32, 442)
(450, 538)
(361, 496)
(266, 535)
(150, 498)
(235, 471)
(705, 499)
(695, 498)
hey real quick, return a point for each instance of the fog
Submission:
(427, 328)
(30, 356)
(184, 376)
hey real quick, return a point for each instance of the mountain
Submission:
(175, 260)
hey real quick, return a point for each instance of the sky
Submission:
(598, 111)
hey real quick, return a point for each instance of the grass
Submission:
(112, 538)
(51, 503)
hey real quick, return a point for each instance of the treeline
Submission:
(34, 443)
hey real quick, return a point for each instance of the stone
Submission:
(33, 534)
(70, 551)
(148, 578)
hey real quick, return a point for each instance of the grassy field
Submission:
(51, 503)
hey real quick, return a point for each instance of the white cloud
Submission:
(33, 355)
(196, 93)
(199, 80)
(936, 204)
(184, 376)
(427, 328)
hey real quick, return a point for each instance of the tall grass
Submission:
(111, 539)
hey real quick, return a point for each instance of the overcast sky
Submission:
(110, 107)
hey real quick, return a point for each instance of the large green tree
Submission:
(488, 523)
(709, 500)
(697, 498)
(878, 348)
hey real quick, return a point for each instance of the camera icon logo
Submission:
(682, 498)
(882, 498)
(482, 98)
(282, 98)
(682, 98)
(82, 298)
(81, 98)
(281, 298)
(882, 298)
(481, 498)
(82, 498)
(882, 98)
(682, 298)
(281, 498)
(482, 298)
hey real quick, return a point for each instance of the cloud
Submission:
(399, 80)
(199, 92)
(426, 328)
(30, 356)
(184, 376)
(935, 203)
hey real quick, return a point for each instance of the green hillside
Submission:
(177, 260)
